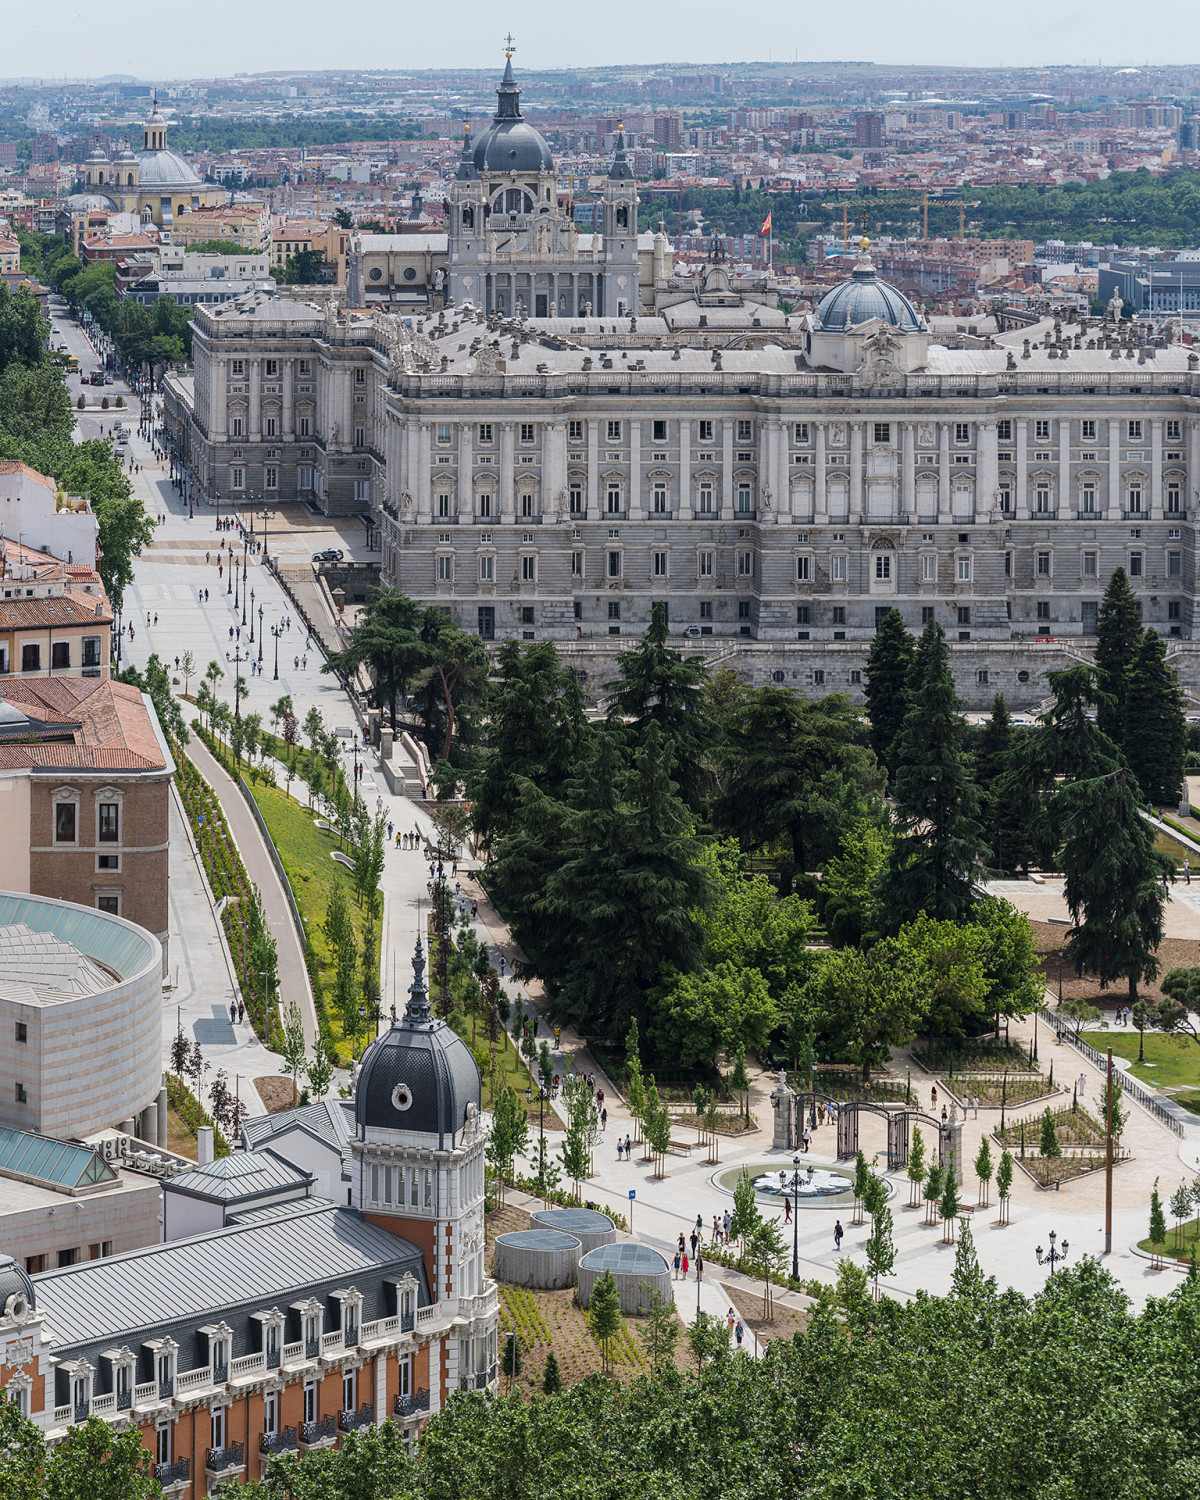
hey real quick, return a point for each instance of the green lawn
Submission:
(306, 853)
(1175, 1248)
(1171, 1062)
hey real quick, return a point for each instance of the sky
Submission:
(222, 37)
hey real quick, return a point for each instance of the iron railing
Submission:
(231, 1456)
(407, 1406)
(313, 1432)
(277, 1442)
(178, 1472)
(353, 1418)
(312, 1347)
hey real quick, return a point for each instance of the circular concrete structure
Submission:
(542, 1259)
(590, 1227)
(637, 1269)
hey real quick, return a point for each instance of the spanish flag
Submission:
(766, 229)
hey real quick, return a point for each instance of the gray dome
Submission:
(15, 1283)
(165, 169)
(509, 144)
(862, 298)
(419, 1075)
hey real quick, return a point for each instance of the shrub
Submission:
(103, 403)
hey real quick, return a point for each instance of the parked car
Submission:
(329, 554)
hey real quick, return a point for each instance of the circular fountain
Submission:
(820, 1187)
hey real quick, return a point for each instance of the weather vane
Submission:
(509, 45)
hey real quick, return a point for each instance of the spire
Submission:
(417, 1011)
(466, 162)
(508, 95)
(620, 169)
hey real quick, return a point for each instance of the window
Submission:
(162, 1444)
(1087, 431)
(526, 432)
(485, 432)
(704, 565)
(883, 432)
(360, 376)
(837, 567)
(272, 479)
(704, 431)
(1090, 560)
(64, 822)
(612, 500)
(964, 614)
(743, 609)
(706, 609)
(1042, 565)
(576, 564)
(803, 570)
(487, 569)
(306, 477)
(1174, 500)
(445, 569)
(964, 570)
(745, 500)
(800, 432)
(802, 612)
(660, 432)
(613, 431)
(67, 1257)
(1173, 432)
(31, 657)
(1174, 564)
(237, 367)
(928, 568)
(575, 431)
(1087, 500)
(575, 499)
(614, 609)
(613, 567)
(659, 564)
(1134, 431)
(109, 903)
(272, 427)
(1005, 500)
(661, 499)
(272, 368)
(818, 677)
(1041, 502)
(529, 569)
(110, 822)
(706, 499)
(839, 614)
(237, 427)
(237, 479)
(526, 507)
(1041, 431)
(745, 565)
(1004, 430)
(1043, 609)
(22, 1031)
(962, 432)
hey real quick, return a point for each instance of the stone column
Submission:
(987, 470)
(685, 469)
(725, 502)
(1113, 509)
(1189, 489)
(1021, 497)
(635, 470)
(506, 471)
(1156, 460)
(780, 479)
(908, 471)
(783, 1099)
(856, 473)
(254, 369)
(554, 470)
(820, 506)
(289, 411)
(593, 470)
(1065, 507)
(943, 472)
(423, 499)
(466, 506)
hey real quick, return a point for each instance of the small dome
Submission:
(864, 297)
(124, 155)
(418, 1076)
(17, 1298)
(165, 169)
(509, 144)
(95, 157)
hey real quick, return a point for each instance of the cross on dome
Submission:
(510, 45)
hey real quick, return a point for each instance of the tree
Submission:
(917, 1167)
(660, 686)
(881, 1250)
(764, 1256)
(604, 1316)
(1118, 631)
(862, 1180)
(1116, 880)
(187, 665)
(660, 1326)
(388, 639)
(574, 1150)
(745, 1207)
(697, 1016)
(510, 1359)
(340, 939)
(320, 1070)
(1181, 1208)
(1119, 1114)
(968, 1280)
(1004, 1177)
(934, 1182)
(509, 1135)
(938, 860)
(1049, 1147)
(867, 1003)
(1155, 734)
(889, 662)
(850, 884)
(708, 1338)
(551, 1379)
(983, 1170)
(739, 1080)
(950, 1202)
(292, 1048)
(1158, 1227)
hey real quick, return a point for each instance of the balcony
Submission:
(411, 1406)
(178, 1472)
(312, 1347)
(313, 1434)
(352, 1420)
(82, 1410)
(407, 1322)
(278, 1442)
(221, 1460)
(250, 1366)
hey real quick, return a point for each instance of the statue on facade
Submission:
(1115, 307)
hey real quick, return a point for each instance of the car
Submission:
(329, 554)
(108, 380)
(692, 631)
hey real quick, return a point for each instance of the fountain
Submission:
(820, 1187)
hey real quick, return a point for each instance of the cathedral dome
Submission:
(863, 297)
(165, 169)
(510, 144)
(16, 1291)
(419, 1076)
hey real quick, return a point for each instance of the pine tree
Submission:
(1155, 726)
(604, 1316)
(998, 748)
(889, 662)
(937, 863)
(551, 1378)
(1118, 630)
(968, 1280)
(510, 1359)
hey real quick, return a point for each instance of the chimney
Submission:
(204, 1145)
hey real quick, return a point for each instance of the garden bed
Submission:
(1074, 1126)
(971, 1059)
(993, 1093)
(783, 1323)
(1046, 1171)
(729, 1124)
(277, 1092)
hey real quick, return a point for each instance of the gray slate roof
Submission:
(239, 1177)
(328, 1119)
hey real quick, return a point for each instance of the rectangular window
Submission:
(306, 477)
(745, 565)
(575, 431)
(964, 570)
(964, 614)
(704, 431)
(575, 498)
(1004, 430)
(237, 479)
(110, 822)
(526, 507)
(1174, 610)
(64, 822)
(800, 432)
(445, 569)
(819, 677)
(1041, 431)
(803, 570)
(1043, 609)
(1042, 565)
(31, 657)
(1134, 431)
(706, 499)
(576, 564)
(745, 500)
(1087, 500)
(271, 1413)
(237, 427)
(837, 567)
(1174, 564)
(613, 432)
(272, 427)
(272, 368)
(659, 567)
(745, 431)
(926, 613)
(1087, 431)
(526, 432)
(445, 434)
(928, 568)
(360, 376)
(237, 367)
(614, 609)
(529, 569)
(962, 432)
(705, 564)
(883, 567)
(1041, 503)
(360, 437)
(612, 500)
(883, 432)
(661, 500)
(660, 432)
(802, 613)
(272, 479)
(1005, 500)
(839, 614)
(614, 565)
(1090, 560)
(1174, 500)
(485, 432)
(1173, 432)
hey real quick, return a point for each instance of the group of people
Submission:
(682, 1263)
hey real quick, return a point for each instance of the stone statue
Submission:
(1115, 306)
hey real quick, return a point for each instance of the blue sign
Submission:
(632, 1194)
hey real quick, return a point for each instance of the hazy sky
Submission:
(221, 37)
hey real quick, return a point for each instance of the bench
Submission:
(680, 1148)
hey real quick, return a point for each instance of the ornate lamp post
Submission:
(266, 516)
(260, 633)
(792, 1183)
(1054, 1256)
(251, 617)
(276, 631)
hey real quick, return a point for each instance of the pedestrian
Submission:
(728, 1222)
(787, 1210)
(1082, 1084)
(206, 596)
(389, 830)
(677, 1265)
(807, 1139)
(933, 1097)
(838, 1232)
(241, 1010)
(502, 966)
(233, 1012)
(739, 1333)
(975, 1105)
(685, 1265)
(628, 1145)
(620, 1149)
(731, 1319)
(156, 617)
(304, 662)
(699, 1267)
(296, 662)
(604, 1126)
(694, 1238)
(1187, 872)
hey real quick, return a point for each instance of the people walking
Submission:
(838, 1232)
(677, 1265)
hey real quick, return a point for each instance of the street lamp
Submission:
(260, 633)
(794, 1184)
(251, 617)
(266, 516)
(238, 658)
(236, 590)
(276, 631)
(243, 599)
(1053, 1256)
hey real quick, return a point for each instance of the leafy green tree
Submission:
(574, 1150)
(945, 960)
(604, 1316)
(510, 1358)
(850, 883)
(509, 1135)
(889, 662)
(917, 1167)
(745, 1213)
(388, 639)
(983, 1170)
(867, 1003)
(708, 1339)
(696, 1016)
(746, 923)
(551, 1378)
(968, 1280)
(1155, 726)
(997, 745)
(763, 1255)
(1004, 1178)
(881, 1249)
(949, 1206)
(96, 1462)
(935, 1181)
(1118, 632)
(1049, 1147)
(938, 860)
(660, 686)
(1158, 1224)
(320, 1070)
(660, 1327)
(293, 1051)
(1008, 952)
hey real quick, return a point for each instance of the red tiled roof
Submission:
(115, 731)
(74, 607)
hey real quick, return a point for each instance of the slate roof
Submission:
(327, 1119)
(240, 1177)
